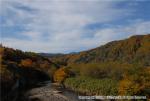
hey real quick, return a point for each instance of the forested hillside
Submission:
(22, 70)
(117, 68)
(133, 50)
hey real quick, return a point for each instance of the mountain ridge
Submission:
(126, 50)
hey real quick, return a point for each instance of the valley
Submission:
(117, 68)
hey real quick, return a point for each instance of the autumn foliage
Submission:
(117, 68)
(27, 67)
(135, 82)
(26, 62)
(61, 74)
(133, 49)
(125, 61)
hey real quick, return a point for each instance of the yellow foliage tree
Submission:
(135, 84)
(128, 87)
(61, 74)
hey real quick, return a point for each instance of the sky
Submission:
(64, 26)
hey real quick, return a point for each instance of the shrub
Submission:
(91, 86)
(113, 70)
(135, 82)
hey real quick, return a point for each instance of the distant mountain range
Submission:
(131, 50)
(51, 54)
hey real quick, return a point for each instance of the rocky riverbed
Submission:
(50, 92)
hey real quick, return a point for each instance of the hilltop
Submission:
(132, 50)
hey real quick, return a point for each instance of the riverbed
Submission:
(49, 92)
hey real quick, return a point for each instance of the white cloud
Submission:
(62, 24)
(73, 43)
(136, 28)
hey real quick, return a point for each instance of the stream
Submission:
(50, 92)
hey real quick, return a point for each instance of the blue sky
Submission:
(63, 26)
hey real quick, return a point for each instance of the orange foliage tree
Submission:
(61, 74)
(26, 62)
